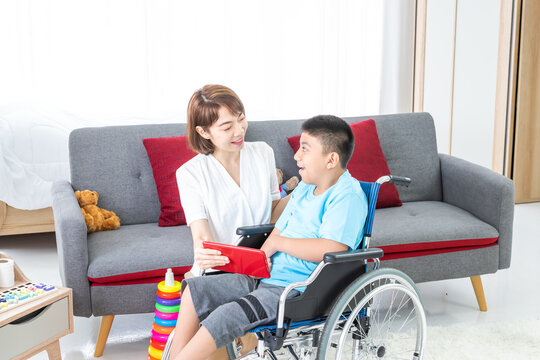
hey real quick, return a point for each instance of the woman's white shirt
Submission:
(207, 191)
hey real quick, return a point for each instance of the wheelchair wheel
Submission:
(380, 315)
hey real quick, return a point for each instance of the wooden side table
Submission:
(36, 325)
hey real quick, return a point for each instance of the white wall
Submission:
(438, 68)
(397, 59)
(469, 133)
(475, 80)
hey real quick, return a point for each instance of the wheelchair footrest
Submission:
(294, 325)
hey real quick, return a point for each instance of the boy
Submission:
(326, 213)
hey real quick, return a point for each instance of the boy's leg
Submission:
(236, 318)
(201, 296)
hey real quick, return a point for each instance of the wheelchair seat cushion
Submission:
(428, 227)
(137, 252)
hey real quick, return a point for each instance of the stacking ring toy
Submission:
(166, 295)
(162, 322)
(155, 352)
(159, 337)
(167, 302)
(165, 330)
(175, 288)
(166, 316)
(157, 345)
(168, 309)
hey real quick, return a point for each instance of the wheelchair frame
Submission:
(305, 334)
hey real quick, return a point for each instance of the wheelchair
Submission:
(350, 309)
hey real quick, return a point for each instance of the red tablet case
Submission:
(242, 260)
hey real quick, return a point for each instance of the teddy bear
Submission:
(289, 184)
(96, 218)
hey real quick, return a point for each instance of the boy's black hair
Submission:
(335, 135)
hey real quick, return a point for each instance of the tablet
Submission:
(242, 260)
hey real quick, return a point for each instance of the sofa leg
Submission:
(479, 292)
(106, 322)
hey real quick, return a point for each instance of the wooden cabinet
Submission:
(526, 151)
(517, 115)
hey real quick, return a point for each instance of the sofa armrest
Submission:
(485, 194)
(71, 242)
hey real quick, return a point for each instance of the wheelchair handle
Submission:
(396, 180)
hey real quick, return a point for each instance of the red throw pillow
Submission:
(367, 162)
(166, 156)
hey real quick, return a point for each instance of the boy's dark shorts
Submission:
(229, 305)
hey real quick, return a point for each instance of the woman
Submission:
(230, 183)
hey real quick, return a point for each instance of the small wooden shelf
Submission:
(51, 319)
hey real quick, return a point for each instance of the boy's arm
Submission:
(343, 221)
(311, 250)
(277, 208)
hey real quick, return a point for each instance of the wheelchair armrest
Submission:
(254, 229)
(355, 255)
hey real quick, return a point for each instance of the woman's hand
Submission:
(209, 258)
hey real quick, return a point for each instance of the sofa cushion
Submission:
(367, 162)
(409, 144)
(428, 227)
(166, 156)
(407, 141)
(135, 252)
(112, 160)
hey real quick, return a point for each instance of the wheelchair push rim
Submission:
(380, 316)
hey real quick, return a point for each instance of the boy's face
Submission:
(311, 158)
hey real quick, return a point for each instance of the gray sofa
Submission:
(456, 219)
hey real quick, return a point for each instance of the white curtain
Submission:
(65, 64)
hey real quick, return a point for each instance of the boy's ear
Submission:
(332, 160)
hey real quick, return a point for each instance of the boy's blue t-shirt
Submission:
(338, 214)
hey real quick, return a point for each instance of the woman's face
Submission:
(227, 132)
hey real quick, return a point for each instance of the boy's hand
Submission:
(268, 264)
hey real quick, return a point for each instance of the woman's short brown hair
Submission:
(203, 111)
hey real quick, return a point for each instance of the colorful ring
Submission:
(166, 295)
(168, 309)
(150, 357)
(166, 316)
(159, 337)
(165, 330)
(157, 345)
(155, 352)
(165, 288)
(162, 322)
(167, 302)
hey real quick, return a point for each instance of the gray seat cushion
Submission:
(428, 225)
(132, 251)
